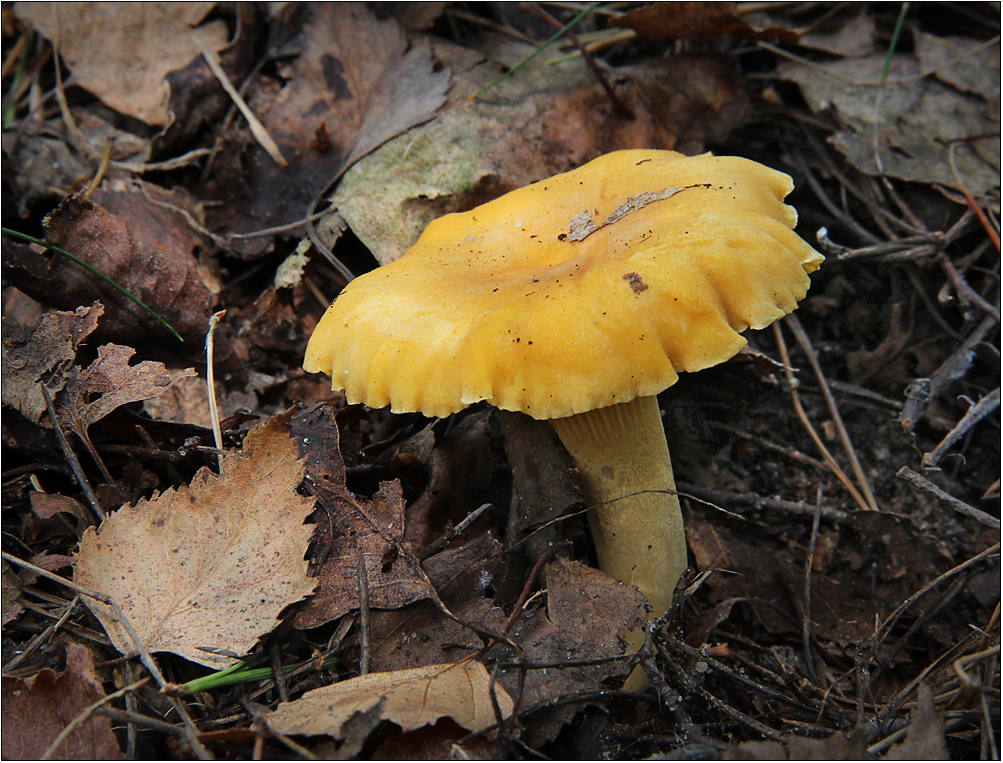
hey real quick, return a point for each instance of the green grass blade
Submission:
(894, 41)
(538, 51)
(238, 674)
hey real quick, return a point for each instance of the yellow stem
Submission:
(621, 450)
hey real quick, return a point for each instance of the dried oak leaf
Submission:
(37, 709)
(40, 354)
(123, 52)
(206, 565)
(411, 698)
(92, 393)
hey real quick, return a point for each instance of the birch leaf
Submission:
(211, 564)
(411, 698)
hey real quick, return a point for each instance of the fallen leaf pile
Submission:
(935, 116)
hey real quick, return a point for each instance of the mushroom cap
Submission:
(587, 289)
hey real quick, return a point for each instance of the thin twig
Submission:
(965, 292)
(844, 437)
(959, 506)
(83, 716)
(809, 565)
(922, 391)
(540, 563)
(79, 139)
(211, 383)
(446, 538)
(986, 405)
(363, 578)
(278, 673)
(154, 724)
(72, 459)
(806, 422)
(43, 636)
(881, 633)
(257, 129)
(589, 60)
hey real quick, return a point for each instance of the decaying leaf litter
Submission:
(840, 478)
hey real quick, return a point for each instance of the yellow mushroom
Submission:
(578, 299)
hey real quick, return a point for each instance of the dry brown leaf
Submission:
(355, 85)
(394, 580)
(465, 578)
(698, 21)
(92, 393)
(207, 565)
(411, 698)
(918, 120)
(123, 52)
(586, 612)
(149, 259)
(11, 593)
(37, 709)
(43, 352)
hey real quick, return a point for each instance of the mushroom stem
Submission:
(621, 450)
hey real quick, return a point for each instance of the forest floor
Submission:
(271, 572)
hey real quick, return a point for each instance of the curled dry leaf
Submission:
(411, 698)
(92, 393)
(206, 565)
(149, 261)
(44, 351)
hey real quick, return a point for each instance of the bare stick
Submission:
(257, 129)
(84, 715)
(802, 338)
(959, 506)
(72, 459)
